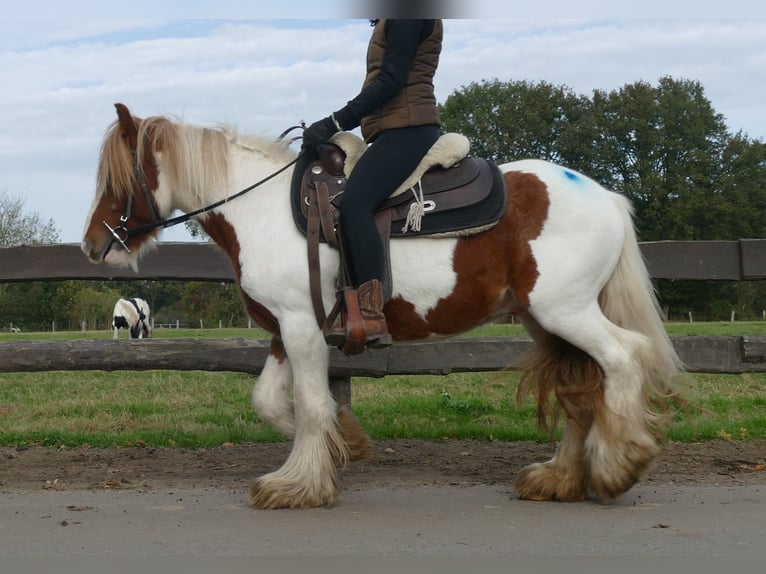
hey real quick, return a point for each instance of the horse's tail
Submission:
(629, 300)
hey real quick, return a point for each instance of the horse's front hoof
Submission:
(548, 481)
(266, 493)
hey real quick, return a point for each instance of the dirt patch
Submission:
(397, 463)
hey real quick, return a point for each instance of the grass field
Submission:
(197, 409)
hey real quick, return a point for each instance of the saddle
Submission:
(450, 194)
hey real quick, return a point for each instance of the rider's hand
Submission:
(319, 132)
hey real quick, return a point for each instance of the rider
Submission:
(397, 111)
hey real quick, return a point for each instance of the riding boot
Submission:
(370, 296)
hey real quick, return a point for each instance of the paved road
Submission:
(478, 521)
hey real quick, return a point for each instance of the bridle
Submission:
(120, 233)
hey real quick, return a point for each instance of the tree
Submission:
(27, 304)
(213, 302)
(506, 121)
(661, 146)
(20, 228)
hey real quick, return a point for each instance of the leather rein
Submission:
(120, 233)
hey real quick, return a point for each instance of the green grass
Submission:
(171, 408)
(199, 409)
(238, 333)
(501, 330)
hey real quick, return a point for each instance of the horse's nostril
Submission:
(89, 250)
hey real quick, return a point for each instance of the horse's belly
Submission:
(431, 298)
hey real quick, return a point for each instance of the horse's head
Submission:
(124, 208)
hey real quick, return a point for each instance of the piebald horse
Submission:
(133, 315)
(564, 258)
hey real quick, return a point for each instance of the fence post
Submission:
(340, 387)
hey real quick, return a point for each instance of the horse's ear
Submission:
(127, 125)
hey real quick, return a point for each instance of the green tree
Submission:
(740, 194)
(92, 305)
(507, 121)
(213, 302)
(661, 146)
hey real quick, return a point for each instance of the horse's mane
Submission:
(194, 158)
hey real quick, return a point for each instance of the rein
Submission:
(121, 234)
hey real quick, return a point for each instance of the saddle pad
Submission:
(467, 198)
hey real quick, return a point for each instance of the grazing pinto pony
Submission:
(133, 315)
(564, 258)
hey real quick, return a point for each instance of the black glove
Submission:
(319, 132)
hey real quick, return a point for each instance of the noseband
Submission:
(120, 233)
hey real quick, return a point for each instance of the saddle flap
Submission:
(448, 188)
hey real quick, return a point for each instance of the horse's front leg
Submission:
(308, 478)
(271, 392)
(272, 402)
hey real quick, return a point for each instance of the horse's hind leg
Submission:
(619, 445)
(563, 477)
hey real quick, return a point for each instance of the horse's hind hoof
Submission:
(263, 495)
(548, 481)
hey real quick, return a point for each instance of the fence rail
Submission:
(744, 259)
(700, 354)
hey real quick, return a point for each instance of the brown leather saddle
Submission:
(464, 199)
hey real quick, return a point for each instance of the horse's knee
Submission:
(263, 401)
(272, 404)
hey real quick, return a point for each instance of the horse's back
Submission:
(557, 178)
(575, 201)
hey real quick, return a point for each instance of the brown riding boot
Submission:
(370, 296)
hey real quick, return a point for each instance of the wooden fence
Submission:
(716, 260)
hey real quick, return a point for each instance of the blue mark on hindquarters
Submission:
(572, 176)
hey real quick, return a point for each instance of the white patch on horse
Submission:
(422, 271)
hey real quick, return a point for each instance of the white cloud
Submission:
(60, 82)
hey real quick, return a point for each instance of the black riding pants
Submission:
(389, 160)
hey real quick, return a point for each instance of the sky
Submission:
(264, 66)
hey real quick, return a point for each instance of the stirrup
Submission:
(379, 341)
(349, 336)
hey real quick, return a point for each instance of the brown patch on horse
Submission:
(222, 232)
(277, 349)
(493, 268)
